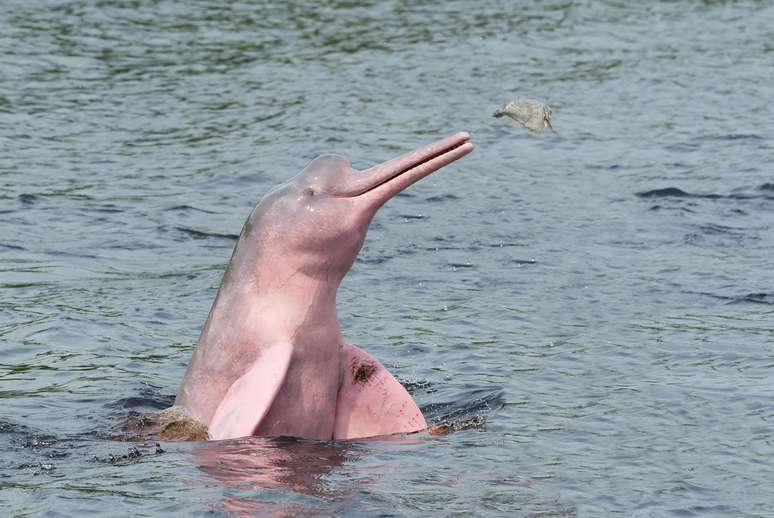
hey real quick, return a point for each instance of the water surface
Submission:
(602, 297)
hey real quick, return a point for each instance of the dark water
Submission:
(603, 298)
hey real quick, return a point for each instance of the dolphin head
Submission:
(316, 223)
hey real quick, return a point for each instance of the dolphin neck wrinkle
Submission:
(297, 302)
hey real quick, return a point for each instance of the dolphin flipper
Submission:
(250, 397)
(371, 401)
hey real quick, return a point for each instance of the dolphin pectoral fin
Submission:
(250, 397)
(371, 401)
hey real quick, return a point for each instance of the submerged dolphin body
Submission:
(271, 359)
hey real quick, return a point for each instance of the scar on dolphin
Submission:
(362, 372)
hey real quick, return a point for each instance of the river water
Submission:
(598, 302)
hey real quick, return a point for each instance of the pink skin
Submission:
(271, 359)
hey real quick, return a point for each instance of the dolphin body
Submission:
(271, 359)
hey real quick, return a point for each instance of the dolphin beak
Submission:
(380, 183)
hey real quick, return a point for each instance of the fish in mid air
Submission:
(533, 115)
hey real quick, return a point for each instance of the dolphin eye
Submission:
(309, 191)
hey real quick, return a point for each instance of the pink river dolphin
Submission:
(271, 359)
